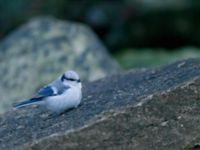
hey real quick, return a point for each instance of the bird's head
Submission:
(71, 78)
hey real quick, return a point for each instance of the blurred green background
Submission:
(138, 33)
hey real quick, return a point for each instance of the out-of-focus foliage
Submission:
(131, 23)
(137, 58)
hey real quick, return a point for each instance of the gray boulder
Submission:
(145, 109)
(44, 48)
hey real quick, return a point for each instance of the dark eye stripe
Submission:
(69, 79)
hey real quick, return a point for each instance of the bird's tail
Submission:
(32, 101)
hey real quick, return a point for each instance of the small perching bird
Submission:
(58, 96)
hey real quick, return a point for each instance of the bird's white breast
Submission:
(69, 99)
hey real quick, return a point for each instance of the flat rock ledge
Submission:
(143, 109)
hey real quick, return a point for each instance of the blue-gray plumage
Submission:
(58, 96)
(46, 91)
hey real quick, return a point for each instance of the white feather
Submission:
(69, 99)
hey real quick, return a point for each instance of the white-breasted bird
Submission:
(58, 96)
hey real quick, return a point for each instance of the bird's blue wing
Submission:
(42, 93)
(51, 91)
(46, 91)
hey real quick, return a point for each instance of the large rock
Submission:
(44, 48)
(144, 109)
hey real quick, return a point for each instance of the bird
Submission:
(60, 95)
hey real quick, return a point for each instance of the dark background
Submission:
(138, 33)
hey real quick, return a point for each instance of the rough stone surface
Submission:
(44, 48)
(147, 109)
